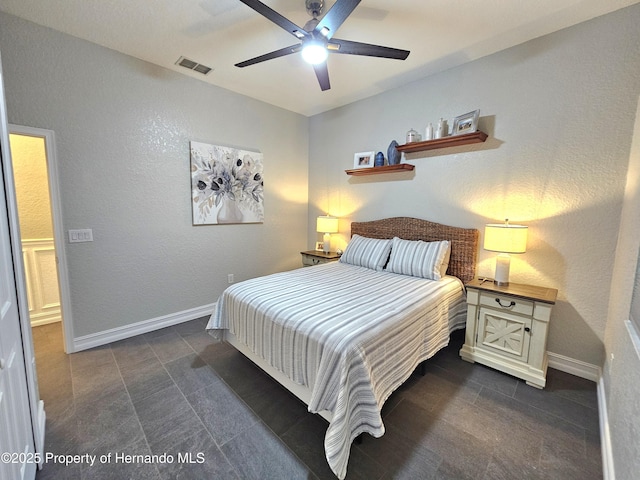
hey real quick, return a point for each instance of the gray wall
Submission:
(122, 129)
(559, 111)
(621, 372)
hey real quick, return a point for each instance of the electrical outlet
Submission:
(230, 278)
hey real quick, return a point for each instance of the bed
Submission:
(342, 336)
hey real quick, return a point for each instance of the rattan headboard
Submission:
(464, 241)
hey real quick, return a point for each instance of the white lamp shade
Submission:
(505, 238)
(327, 224)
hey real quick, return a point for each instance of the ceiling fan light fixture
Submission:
(316, 37)
(314, 53)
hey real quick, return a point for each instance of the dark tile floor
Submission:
(176, 392)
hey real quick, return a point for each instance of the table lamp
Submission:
(505, 239)
(326, 224)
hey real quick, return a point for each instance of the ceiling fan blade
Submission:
(322, 72)
(268, 56)
(336, 16)
(357, 48)
(276, 18)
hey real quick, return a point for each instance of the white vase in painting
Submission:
(229, 211)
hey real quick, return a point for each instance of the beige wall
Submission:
(559, 111)
(32, 186)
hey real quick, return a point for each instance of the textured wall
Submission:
(122, 131)
(635, 305)
(559, 111)
(32, 186)
(622, 365)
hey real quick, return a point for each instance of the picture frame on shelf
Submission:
(319, 246)
(364, 160)
(467, 123)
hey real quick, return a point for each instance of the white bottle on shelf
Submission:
(428, 134)
(443, 129)
(439, 128)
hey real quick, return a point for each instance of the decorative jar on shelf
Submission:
(413, 136)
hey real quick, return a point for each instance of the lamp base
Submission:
(326, 243)
(503, 262)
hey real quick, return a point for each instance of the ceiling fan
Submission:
(317, 39)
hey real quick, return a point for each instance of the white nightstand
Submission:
(316, 257)
(507, 328)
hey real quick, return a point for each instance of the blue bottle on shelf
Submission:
(393, 155)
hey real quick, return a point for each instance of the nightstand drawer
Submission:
(308, 260)
(313, 257)
(506, 303)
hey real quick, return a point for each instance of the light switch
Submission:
(82, 235)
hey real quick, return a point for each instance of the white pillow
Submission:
(367, 252)
(418, 258)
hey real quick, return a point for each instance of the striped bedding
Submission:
(351, 334)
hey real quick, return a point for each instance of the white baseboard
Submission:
(574, 367)
(605, 436)
(593, 373)
(45, 321)
(145, 326)
(42, 418)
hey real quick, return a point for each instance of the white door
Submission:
(16, 433)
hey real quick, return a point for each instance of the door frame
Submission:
(58, 230)
(36, 406)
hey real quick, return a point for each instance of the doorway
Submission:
(36, 181)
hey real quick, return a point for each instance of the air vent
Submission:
(195, 66)
(202, 69)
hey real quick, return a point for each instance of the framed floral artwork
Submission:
(226, 185)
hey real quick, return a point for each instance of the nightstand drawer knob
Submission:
(527, 329)
(315, 261)
(511, 303)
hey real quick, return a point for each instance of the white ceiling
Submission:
(220, 33)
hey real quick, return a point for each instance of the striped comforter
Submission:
(350, 334)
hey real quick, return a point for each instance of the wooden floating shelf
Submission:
(452, 141)
(406, 167)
